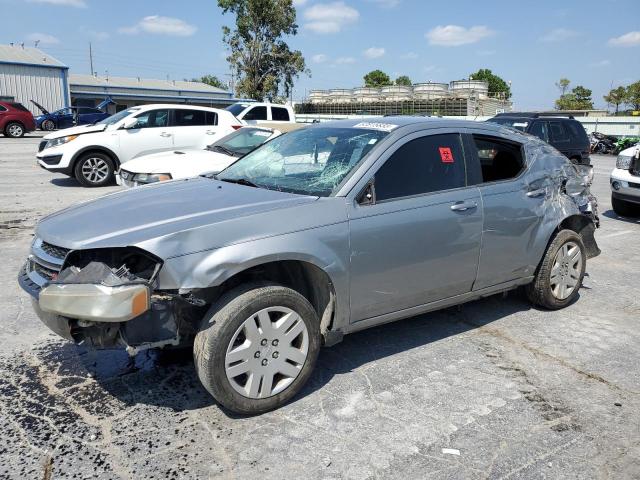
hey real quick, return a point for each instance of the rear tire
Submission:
(257, 347)
(14, 130)
(94, 170)
(560, 274)
(625, 209)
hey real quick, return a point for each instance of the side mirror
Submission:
(130, 123)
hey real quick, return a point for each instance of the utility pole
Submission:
(91, 58)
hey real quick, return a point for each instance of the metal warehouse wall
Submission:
(46, 85)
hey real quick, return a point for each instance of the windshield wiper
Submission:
(239, 181)
(223, 149)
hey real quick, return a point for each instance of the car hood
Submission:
(202, 209)
(182, 163)
(79, 130)
(631, 151)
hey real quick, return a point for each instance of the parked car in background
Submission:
(92, 153)
(288, 249)
(625, 183)
(68, 117)
(252, 113)
(563, 132)
(159, 167)
(15, 119)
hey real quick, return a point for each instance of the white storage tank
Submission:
(318, 96)
(465, 88)
(366, 94)
(426, 91)
(340, 95)
(396, 93)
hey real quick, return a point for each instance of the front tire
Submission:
(257, 347)
(624, 209)
(94, 170)
(14, 130)
(48, 125)
(560, 274)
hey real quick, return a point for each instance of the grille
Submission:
(41, 145)
(57, 252)
(44, 271)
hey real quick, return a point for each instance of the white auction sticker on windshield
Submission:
(385, 127)
(262, 134)
(520, 124)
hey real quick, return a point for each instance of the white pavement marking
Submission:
(616, 234)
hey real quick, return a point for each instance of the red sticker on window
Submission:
(445, 155)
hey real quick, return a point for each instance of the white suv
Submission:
(92, 153)
(625, 183)
(252, 113)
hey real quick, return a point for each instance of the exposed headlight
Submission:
(55, 142)
(151, 177)
(623, 162)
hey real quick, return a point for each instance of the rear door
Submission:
(418, 240)
(150, 135)
(512, 203)
(194, 128)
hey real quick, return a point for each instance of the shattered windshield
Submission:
(310, 161)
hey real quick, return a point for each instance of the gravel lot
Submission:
(516, 392)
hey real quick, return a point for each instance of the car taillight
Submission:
(237, 127)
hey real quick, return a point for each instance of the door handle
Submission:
(537, 193)
(463, 206)
(210, 132)
(165, 134)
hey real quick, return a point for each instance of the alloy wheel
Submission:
(566, 271)
(267, 352)
(15, 130)
(95, 170)
(48, 125)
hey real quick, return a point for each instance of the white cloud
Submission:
(455, 35)
(329, 17)
(409, 56)
(319, 58)
(558, 35)
(630, 39)
(345, 60)
(161, 26)
(374, 52)
(43, 38)
(62, 3)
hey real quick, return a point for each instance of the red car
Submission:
(15, 119)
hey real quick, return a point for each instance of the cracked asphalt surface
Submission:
(515, 392)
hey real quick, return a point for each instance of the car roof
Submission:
(404, 120)
(175, 106)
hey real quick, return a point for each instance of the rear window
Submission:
(279, 114)
(577, 130)
(19, 106)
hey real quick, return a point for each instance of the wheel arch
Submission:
(94, 149)
(582, 225)
(9, 122)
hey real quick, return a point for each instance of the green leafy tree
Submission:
(263, 62)
(578, 99)
(403, 80)
(633, 95)
(563, 84)
(496, 84)
(211, 80)
(377, 78)
(616, 97)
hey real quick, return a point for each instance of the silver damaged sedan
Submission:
(321, 232)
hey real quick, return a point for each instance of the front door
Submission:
(419, 240)
(151, 134)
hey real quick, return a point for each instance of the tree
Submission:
(211, 80)
(263, 62)
(403, 80)
(616, 97)
(563, 84)
(578, 99)
(496, 84)
(377, 78)
(633, 95)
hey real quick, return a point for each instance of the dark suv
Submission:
(15, 119)
(563, 132)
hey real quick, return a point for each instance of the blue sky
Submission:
(531, 44)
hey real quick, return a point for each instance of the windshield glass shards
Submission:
(310, 161)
